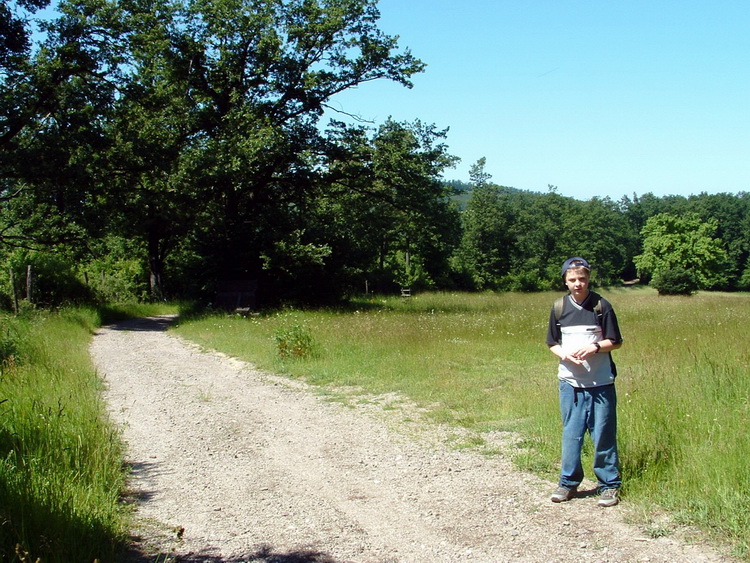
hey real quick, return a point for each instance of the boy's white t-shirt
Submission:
(578, 327)
(594, 370)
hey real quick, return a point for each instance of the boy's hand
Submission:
(584, 352)
(574, 358)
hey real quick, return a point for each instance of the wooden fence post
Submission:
(28, 283)
(13, 292)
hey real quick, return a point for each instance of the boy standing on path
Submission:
(582, 333)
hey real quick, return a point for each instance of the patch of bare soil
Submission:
(233, 465)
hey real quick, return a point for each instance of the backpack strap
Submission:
(598, 308)
(558, 307)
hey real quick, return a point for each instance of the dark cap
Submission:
(575, 262)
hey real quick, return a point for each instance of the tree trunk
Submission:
(14, 293)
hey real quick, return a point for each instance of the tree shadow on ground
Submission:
(145, 324)
(264, 554)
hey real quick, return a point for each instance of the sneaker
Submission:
(562, 494)
(609, 497)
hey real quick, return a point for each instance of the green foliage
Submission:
(188, 124)
(685, 242)
(744, 282)
(54, 280)
(732, 214)
(158, 148)
(609, 243)
(674, 281)
(294, 342)
(486, 238)
(389, 205)
(9, 350)
(523, 281)
(116, 271)
(408, 271)
(516, 240)
(294, 257)
(60, 462)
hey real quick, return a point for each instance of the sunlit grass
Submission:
(60, 462)
(480, 361)
(61, 472)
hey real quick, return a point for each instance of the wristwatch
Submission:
(597, 347)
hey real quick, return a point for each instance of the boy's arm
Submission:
(558, 351)
(584, 352)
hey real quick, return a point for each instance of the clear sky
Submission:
(596, 97)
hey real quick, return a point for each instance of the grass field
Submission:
(479, 361)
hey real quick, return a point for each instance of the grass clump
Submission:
(294, 341)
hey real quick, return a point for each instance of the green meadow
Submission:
(476, 361)
(479, 361)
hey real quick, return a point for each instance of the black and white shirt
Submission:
(580, 325)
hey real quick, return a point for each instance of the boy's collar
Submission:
(582, 301)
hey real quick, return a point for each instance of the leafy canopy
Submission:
(683, 242)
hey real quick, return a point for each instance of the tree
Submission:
(408, 161)
(482, 253)
(548, 234)
(15, 60)
(260, 74)
(732, 213)
(684, 242)
(384, 211)
(638, 209)
(488, 235)
(190, 124)
(52, 101)
(598, 230)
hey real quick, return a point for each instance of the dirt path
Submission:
(232, 465)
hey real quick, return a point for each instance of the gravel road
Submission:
(233, 465)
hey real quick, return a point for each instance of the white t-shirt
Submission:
(579, 325)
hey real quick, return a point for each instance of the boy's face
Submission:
(577, 280)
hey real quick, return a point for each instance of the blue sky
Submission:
(599, 98)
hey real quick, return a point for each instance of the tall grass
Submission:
(61, 474)
(480, 361)
(687, 408)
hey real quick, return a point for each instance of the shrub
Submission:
(294, 342)
(8, 348)
(116, 270)
(674, 281)
(53, 278)
(525, 281)
(744, 283)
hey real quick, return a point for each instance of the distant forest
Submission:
(515, 239)
(161, 149)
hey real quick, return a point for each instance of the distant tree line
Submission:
(155, 148)
(515, 240)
